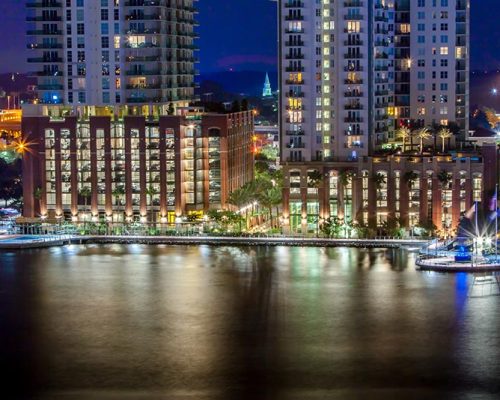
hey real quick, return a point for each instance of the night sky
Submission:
(241, 34)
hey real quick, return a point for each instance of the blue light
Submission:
(55, 97)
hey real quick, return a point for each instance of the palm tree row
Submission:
(422, 134)
(265, 190)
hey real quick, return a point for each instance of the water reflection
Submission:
(241, 323)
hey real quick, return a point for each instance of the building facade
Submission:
(353, 72)
(413, 190)
(111, 52)
(134, 168)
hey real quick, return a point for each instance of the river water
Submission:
(186, 322)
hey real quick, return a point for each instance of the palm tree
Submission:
(118, 193)
(239, 198)
(151, 191)
(270, 198)
(403, 133)
(444, 178)
(422, 134)
(379, 180)
(410, 178)
(444, 134)
(85, 192)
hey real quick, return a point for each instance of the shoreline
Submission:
(33, 241)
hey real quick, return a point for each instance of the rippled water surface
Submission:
(180, 322)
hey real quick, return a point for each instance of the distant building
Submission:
(135, 167)
(266, 91)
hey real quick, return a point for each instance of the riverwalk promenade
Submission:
(11, 242)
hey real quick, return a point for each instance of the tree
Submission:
(85, 192)
(170, 109)
(345, 176)
(332, 227)
(235, 107)
(444, 134)
(118, 194)
(269, 198)
(239, 198)
(404, 134)
(491, 117)
(379, 180)
(314, 178)
(10, 181)
(422, 134)
(151, 191)
(244, 105)
(410, 178)
(444, 178)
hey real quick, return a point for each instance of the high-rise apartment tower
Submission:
(113, 52)
(353, 71)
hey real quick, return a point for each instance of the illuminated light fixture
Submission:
(109, 218)
(95, 218)
(163, 220)
(178, 220)
(144, 219)
(43, 216)
(74, 218)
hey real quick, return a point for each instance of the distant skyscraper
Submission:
(266, 91)
(109, 52)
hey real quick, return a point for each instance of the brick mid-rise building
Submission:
(134, 167)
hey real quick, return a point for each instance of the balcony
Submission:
(294, 82)
(50, 87)
(48, 73)
(46, 18)
(143, 17)
(294, 4)
(294, 30)
(353, 55)
(294, 133)
(34, 46)
(296, 121)
(358, 132)
(145, 100)
(353, 43)
(353, 107)
(43, 32)
(294, 94)
(353, 94)
(143, 87)
(353, 68)
(294, 69)
(295, 43)
(353, 81)
(349, 120)
(143, 73)
(43, 4)
(353, 3)
(133, 59)
(354, 145)
(45, 60)
(295, 146)
(294, 56)
(294, 17)
(353, 17)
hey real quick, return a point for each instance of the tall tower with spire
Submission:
(266, 91)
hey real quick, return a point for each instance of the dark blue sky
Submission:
(241, 34)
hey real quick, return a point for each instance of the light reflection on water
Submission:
(125, 321)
